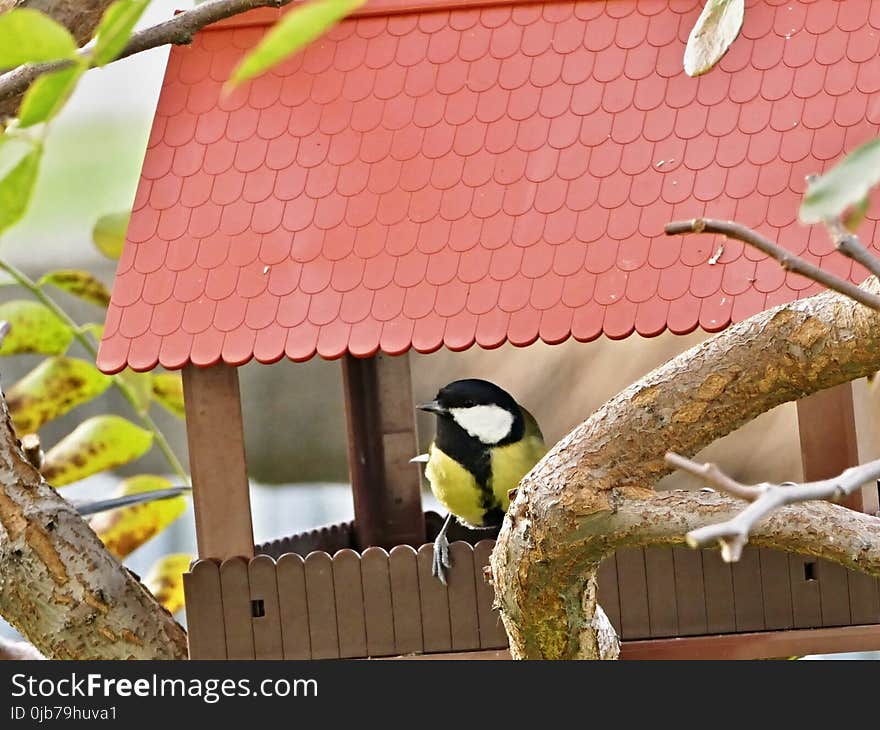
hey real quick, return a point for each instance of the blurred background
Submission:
(294, 418)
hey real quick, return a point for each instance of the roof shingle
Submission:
(482, 174)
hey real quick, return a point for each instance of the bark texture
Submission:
(59, 586)
(593, 492)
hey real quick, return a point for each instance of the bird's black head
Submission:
(479, 409)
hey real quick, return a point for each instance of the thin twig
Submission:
(850, 246)
(786, 259)
(27, 283)
(178, 30)
(733, 535)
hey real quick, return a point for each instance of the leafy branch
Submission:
(119, 381)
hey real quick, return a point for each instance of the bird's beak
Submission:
(432, 407)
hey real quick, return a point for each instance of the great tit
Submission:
(485, 443)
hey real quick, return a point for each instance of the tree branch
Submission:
(592, 493)
(850, 246)
(178, 30)
(60, 587)
(786, 259)
(733, 534)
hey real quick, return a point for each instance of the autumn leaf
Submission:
(80, 284)
(97, 444)
(165, 580)
(54, 387)
(34, 328)
(168, 392)
(125, 529)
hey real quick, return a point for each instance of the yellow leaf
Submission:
(34, 328)
(168, 391)
(80, 284)
(54, 387)
(98, 444)
(165, 580)
(125, 529)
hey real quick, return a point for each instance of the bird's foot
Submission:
(441, 562)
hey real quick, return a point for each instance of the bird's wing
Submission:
(532, 427)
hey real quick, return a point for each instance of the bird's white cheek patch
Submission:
(489, 424)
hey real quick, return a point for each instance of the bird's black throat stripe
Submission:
(474, 456)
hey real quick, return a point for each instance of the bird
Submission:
(485, 443)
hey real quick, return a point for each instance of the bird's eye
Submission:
(469, 404)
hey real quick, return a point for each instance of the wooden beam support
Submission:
(829, 440)
(381, 422)
(221, 495)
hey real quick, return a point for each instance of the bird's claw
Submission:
(441, 561)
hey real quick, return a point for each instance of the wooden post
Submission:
(381, 422)
(221, 497)
(829, 440)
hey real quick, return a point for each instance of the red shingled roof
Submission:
(482, 174)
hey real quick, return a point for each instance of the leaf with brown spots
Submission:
(98, 444)
(168, 391)
(165, 580)
(80, 284)
(126, 529)
(56, 386)
(33, 328)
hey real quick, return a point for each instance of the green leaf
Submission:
(127, 528)
(29, 36)
(844, 185)
(168, 391)
(80, 284)
(109, 233)
(48, 95)
(98, 444)
(56, 386)
(165, 580)
(141, 387)
(17, 185)
(296, 29)
(34, 328)
(715, 29)
(115, 29)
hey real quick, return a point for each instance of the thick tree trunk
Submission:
(58, 584)
(593, 492)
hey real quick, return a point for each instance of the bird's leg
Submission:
(441, 562)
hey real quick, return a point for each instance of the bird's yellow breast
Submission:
(457, 489)
(454, 487)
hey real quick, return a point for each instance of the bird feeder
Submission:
(451, 173)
